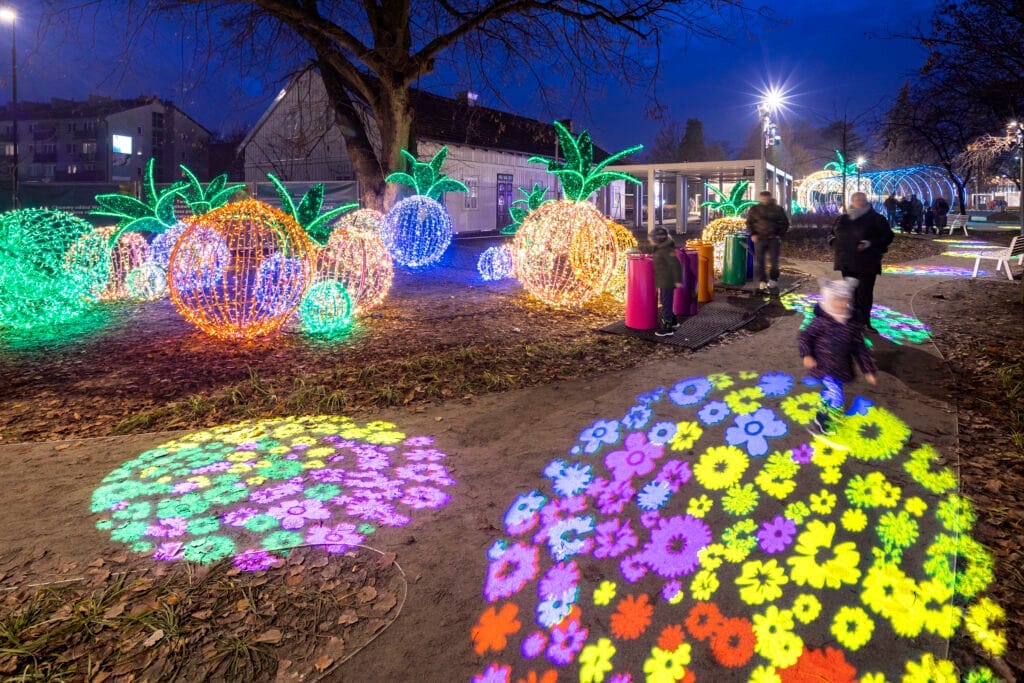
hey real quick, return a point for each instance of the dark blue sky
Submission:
(831, 55)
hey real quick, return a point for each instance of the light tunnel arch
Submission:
(822, 191)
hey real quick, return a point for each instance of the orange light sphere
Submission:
(565, 253)
(239, 272)
(356, 257)
(624, 241)
(130, 252)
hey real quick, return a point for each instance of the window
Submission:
(140, 130)
(473, 183)
(89, 167)
(48, 148)
(72, 169)
(9, 149)
(121, 144)
(88, 148)
(71, 127)
(90, 126)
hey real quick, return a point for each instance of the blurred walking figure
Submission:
(929, 220)
(767, 223)
(906, 215)
(941, 213)
(859, 239)
(918, 209)
(891, 205)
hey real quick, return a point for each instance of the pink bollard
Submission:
(685, 301)
(641, 294)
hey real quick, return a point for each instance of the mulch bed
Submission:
(977, 326)
(811, 244)
(115, 621)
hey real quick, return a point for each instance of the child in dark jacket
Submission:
(830, 345)
(668, 275)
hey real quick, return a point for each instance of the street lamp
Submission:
(1016, 129)
(9, 16)
(772, 100)
(860, 162)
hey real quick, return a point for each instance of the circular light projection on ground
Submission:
(39, 285)
(356, 258)
(624, 241)
(240, 271)
(130, 252)
(706, 535)
(565, 253)
(251, 490)
(326, 310)
(930, 271)
(495, 263)
(417, 231)
(890, 324)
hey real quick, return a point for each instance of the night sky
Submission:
(831, 56)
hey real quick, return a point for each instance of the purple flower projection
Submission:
(252, 490)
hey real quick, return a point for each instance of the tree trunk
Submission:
(393, 116)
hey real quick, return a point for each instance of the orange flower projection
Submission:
(239, 272)
(565, 253)
(356, 257)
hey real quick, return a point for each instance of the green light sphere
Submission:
(50, 269)
(326, 310)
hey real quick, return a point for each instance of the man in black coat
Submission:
(767, 223)
(860, 237)
(941, 207)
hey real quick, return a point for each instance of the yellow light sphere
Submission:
(356, 257)
(624, 241)
(565, 253)
(716, 232)
(240, 271)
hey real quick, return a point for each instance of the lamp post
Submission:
(9, 16)
(1016, 130)
(772, 100)
(860, 162)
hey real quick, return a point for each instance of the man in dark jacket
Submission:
(918, 208)
(860, 238)
(891, 204)
(941, 207)
(767, 223)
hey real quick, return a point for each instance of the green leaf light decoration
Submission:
(579, 176)
(153, 213)
(840, 166)
(732, 204)
(307, 212)
(426, 177)
(521, 208)
(215, 195)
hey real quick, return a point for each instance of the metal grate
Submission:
(711, 322)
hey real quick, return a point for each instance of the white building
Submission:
(297, 140)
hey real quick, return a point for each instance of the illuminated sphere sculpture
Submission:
(417, 231)
(129, 253)
(624, 241)
(269, 267)
(355, 257)
(88, 260)
(162, 245)
(495, 263)
(716, 232)
(326, 309)
(37, 287)
(565, 253)
(148, 282)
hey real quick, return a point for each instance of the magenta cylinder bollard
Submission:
(641, 294)
(685, 301)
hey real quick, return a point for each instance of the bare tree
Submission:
(373, 52)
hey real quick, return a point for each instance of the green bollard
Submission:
(734, 266)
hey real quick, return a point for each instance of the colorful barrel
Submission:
(641, 294)
(734, 264)
(685, 301)
(705, 269)
(750, 257)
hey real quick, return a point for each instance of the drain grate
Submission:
(711, 322)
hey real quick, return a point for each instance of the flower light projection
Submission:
(43, 283)
(250, 491)
(356, 257)
(418, 230)
(890, 324)
(930, 271)
(705, 535)
(565, 253)
(269, 267)
(495, 263)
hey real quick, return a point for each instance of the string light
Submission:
(148, 282)
(38, 289)
(162, 245)
(495, 263)
(88, 260)
(357, 259)
(417, 231)
(624, 241)
(128, 253)
(565, 253)
(717, 230)
(326, 310)
(268, 268)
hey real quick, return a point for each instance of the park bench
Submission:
(1002, 257)
(959, 222)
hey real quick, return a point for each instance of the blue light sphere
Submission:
(208, 256)
(162, 245)
(274, 292)
(495, 263)
(417, 231)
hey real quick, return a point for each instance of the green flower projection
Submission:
(707, 535)
(250, 491)
(890, 324)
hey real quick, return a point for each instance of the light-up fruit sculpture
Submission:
(269, 268)
(730, 206)
(624, 241)
(356, 257)
(326, 310)
(521, 208)
(40, 287)
(148, 282)
(565, 253)
(129, 252)
(88, 259)
(418, 230)
(495, 263)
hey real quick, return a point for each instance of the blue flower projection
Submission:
(889, 323)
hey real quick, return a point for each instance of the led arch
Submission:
(823, 190)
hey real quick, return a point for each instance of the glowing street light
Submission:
(773, 99)
(9, 16)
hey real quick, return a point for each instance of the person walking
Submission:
(929, 220)
(941, 213)
(906, 215)
(859, 239)
(767, 223)
(891, 204)
(918, 211)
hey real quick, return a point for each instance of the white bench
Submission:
(959, 222)
(1002, 257)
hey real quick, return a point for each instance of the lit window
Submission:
(473, 183)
